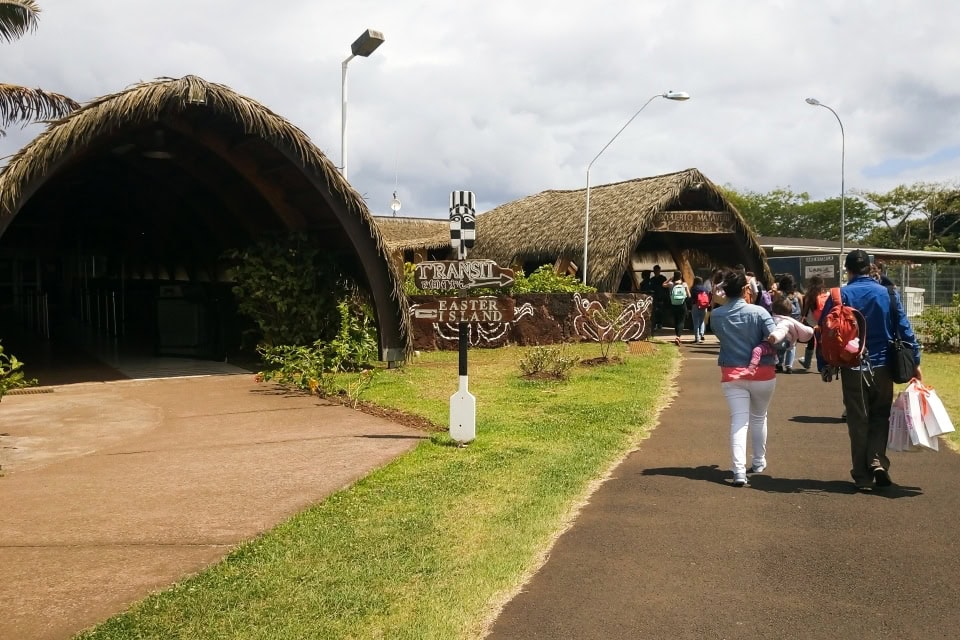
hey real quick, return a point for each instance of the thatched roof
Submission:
(550, 224)
(402, 234)
(238, 167)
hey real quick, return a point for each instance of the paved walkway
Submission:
(115, 489)
(667, 548)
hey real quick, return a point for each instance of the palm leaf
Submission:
(23, 104)
(17, 17)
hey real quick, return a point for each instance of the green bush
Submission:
(549, 362)
(290, 289)
(545, 280)
(939, 328)
(311, 367)
(11, 376)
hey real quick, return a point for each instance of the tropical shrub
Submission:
(290, 288)
(938, 328)
(311, 367)
(11, 376)
(547, 362)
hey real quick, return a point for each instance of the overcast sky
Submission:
(508, 99)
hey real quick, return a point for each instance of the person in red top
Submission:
(813, 300)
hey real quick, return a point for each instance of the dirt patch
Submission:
(600, 361)
(394, 415)
(544, 375)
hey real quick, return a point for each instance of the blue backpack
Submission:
(795, 314)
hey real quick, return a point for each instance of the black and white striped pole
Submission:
(463, 232)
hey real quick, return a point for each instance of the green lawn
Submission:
(942, 372)
(426, 547)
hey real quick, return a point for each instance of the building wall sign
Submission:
(694, 222)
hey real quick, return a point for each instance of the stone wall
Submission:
(544, 318)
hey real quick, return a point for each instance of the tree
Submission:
(898, 209)
(783, 213)
(23, 104)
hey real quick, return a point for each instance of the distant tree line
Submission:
(918, 216)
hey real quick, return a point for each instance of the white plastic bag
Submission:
(914, 414)
(898, 438)
(935, 417)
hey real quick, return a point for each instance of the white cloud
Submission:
(508, 99)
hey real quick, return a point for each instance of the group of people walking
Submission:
(759, 330)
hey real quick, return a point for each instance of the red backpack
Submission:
(842, 334)
(703, 299)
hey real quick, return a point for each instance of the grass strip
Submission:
(421, 548)
(942, 372)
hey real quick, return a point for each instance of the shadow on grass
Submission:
(762, 482)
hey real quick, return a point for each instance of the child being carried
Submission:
(787, 333)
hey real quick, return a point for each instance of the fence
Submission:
(937, 283)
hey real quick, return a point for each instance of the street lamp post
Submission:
(843, 214)
(669, 95)
(366, 44)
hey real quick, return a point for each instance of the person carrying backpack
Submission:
(701, 303)
(787, 288)
(853, 333)
(813, 300)
(679, 292)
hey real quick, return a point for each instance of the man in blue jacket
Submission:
(868, 389)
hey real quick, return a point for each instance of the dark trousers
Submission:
(867, 398)
(679, 317)
(658, 311)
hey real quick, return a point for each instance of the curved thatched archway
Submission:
(682, 213)
(157, 180)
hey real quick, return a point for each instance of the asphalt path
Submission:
(668, 548)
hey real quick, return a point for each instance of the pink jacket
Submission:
(791, 330)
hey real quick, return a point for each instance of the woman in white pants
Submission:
(740, 327)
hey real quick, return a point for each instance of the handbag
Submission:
(900, 363)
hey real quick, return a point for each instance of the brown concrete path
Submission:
(667, 548)
(113, 490)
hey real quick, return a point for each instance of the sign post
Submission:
(463, 405)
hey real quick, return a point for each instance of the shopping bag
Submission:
(898, 437)
(935, 417)
(914, 414)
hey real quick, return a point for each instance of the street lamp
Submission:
(366, 44)
(843, 214)
(669, 95)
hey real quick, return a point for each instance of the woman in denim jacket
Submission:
(740, 326)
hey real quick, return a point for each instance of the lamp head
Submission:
(813, 101)
(367, 43)
(676, 95)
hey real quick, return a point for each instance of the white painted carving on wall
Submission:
(592, 322)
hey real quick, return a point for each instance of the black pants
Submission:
(679, 317)
(657, 312)
(867, 398)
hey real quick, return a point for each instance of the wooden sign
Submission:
(470, 310)
(693, 222)
(461, 274)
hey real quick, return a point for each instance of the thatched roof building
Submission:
(157, 181)
(681, 213)
(415, 239)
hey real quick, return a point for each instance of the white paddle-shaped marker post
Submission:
(463, 406)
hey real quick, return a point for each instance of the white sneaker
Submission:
(739, 479)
